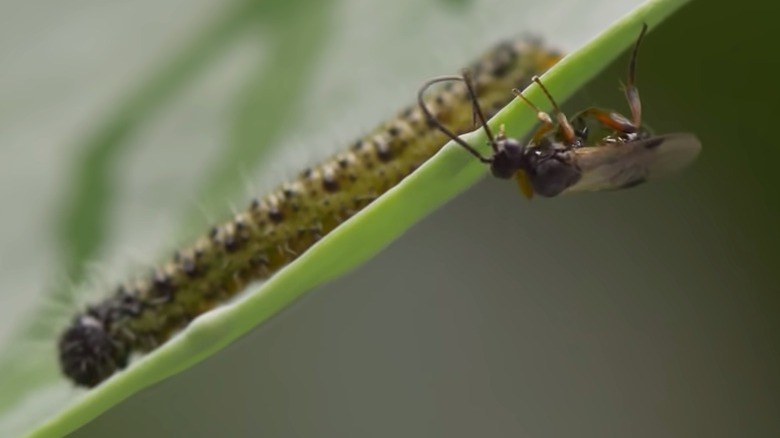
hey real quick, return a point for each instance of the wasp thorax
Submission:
(509, 158)
(550, 168)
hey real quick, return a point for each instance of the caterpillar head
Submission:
(88, 353)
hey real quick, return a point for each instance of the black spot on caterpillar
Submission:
(276, 229)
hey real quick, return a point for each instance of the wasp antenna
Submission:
(454, 137)
(478, 110)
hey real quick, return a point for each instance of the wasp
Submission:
(564, 156)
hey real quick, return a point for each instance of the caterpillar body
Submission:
(142, 314)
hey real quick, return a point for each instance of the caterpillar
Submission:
(274, 230)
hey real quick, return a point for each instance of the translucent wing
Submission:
(612, 166)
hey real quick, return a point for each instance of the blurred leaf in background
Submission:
(647, 312)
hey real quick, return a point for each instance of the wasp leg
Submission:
(611, 120)
(616, 121)
(544, 118)
(524, 184)
(632, 96)
(565, 130)
(632, 93)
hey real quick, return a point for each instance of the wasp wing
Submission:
(612, 166)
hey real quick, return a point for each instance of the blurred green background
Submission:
(125, 128)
